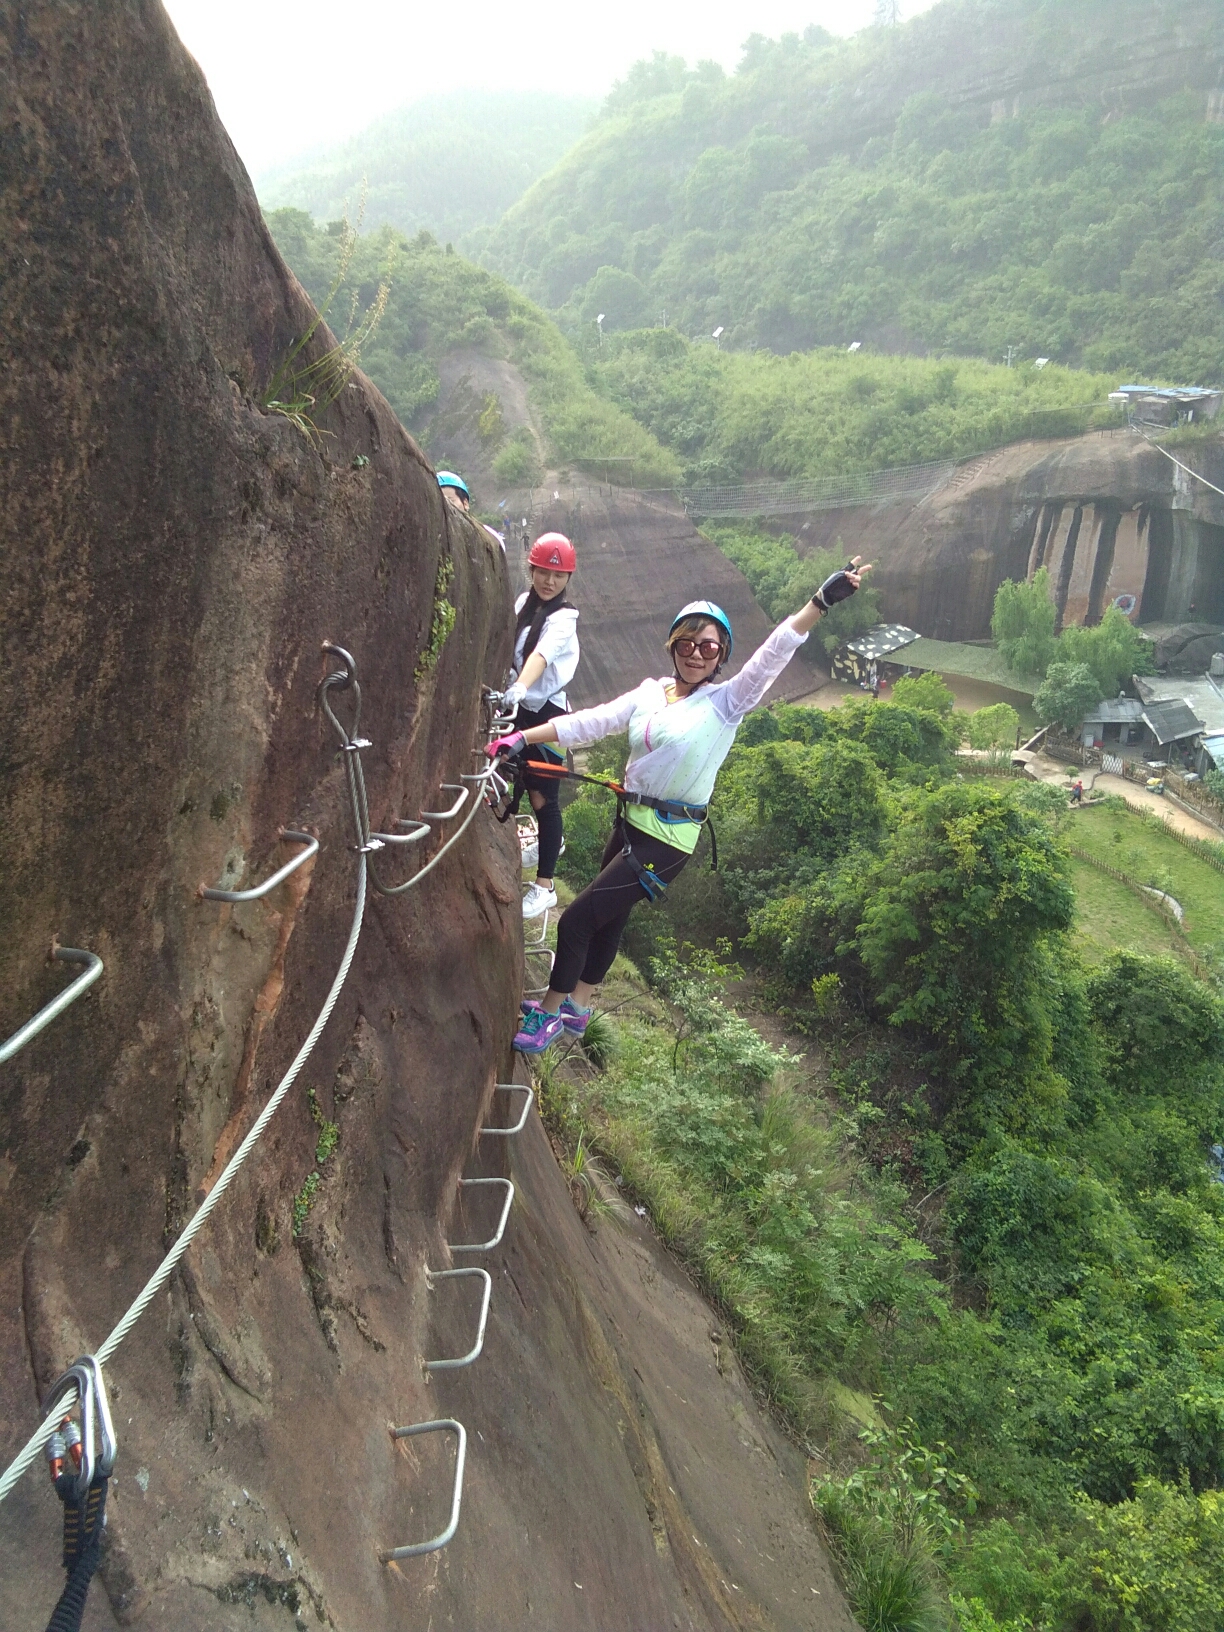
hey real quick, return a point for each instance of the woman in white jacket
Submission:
(545, 661)
(680, 730)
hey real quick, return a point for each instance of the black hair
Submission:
(533, 616)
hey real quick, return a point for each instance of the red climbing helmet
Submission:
(553, 550)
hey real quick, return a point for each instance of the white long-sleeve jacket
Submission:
(558, 645)
(676, 749)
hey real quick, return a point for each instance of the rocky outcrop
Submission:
(174, 556)
(640, 557)
(1112, 519)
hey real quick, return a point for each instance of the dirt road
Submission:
(1054, 772)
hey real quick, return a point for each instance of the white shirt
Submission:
(558, 646)
(676, 749)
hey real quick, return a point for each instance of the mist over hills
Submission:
(449, 163)
(993, 173)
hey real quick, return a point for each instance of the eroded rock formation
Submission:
(174, 555)
(1112, 519)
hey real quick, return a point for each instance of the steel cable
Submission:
(165, 1269)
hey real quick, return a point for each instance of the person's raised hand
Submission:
(840, 585)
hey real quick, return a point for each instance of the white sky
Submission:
(293, 75)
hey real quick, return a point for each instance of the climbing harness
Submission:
(671, 810)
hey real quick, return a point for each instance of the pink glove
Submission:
(506, 747)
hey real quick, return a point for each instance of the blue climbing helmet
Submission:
(447, 478)
(707, 610)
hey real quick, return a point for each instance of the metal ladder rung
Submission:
(513, 1088)
(445, 815)
(432, 1275)
(286, 833)
(441, 1425)
(486, 1246)
(60, 954)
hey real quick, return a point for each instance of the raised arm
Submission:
(747, 690)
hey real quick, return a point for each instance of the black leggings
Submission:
(548, 817)
(590, 928)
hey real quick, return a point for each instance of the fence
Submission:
(1155, 903)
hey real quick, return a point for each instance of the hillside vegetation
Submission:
(439, 302)
(885, 188)
(734, 414)
(984, 1217)
(450, 162)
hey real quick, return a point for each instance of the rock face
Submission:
(640, 557)
(640, 560)
(1113, 520)
(173, 558)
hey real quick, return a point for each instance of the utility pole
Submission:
(1011, 352)
(599, 323)
(888, 13)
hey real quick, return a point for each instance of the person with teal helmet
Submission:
(454, 489)
(680, 730)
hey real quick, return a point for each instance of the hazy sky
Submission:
(290, 75)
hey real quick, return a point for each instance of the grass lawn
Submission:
(1147, 852)
(1108, 915)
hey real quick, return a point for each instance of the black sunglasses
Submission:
(708, 648)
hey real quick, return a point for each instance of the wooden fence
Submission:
(1161, 908)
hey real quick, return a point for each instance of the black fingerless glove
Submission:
(837, 587)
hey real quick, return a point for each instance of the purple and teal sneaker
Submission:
(572, 1018)
(538, 1031)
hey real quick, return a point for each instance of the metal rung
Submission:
(420, 830)
(442, 1425)
(513, 1088)
(445, 815)
(486, 1246)
(433, 1275)
(57, 1005)
(286, 833)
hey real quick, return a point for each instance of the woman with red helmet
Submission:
(545, 661)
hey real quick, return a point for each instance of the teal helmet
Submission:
(705, 609)
(447, 478)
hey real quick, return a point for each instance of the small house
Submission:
(1171, 726)
(1114, 719)
(854, 660)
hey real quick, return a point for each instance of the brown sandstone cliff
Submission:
(1109, 516)
(173, 558)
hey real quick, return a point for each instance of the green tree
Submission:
(993, 727)
(824, 799)
(1114, 650)
(953, 925)
(1023, 624)
(1066, 694)
(928, 691)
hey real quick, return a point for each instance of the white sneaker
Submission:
(531, 851)
(538, 900)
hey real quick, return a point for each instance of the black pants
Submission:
(590, 928)
(548, 816)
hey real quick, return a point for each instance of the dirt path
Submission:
(1055, 773)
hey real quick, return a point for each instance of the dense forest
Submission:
(679, 411)
(449, 162)
(729, 414)
(897, 188)
(1001, 1214)
(437, 302)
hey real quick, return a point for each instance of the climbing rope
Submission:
(1151, 441)
(351, 745)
